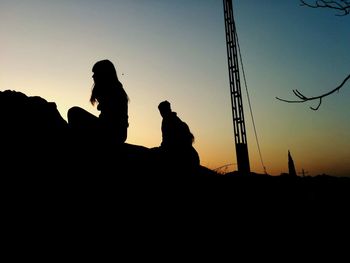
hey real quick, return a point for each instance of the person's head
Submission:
(164, 108)
(104, 71)
(105, 80)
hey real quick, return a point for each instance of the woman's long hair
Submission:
(106, 82)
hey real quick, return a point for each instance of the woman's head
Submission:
(106, 81)
(104, 70)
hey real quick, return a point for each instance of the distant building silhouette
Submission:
(291, 167)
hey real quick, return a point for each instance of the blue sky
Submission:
(176, 50)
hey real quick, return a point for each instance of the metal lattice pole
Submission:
(235, 91)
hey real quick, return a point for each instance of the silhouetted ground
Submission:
(43, 162)
(61, 195)
(314, 190)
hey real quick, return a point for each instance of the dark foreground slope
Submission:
(42, 158)
(63, 198)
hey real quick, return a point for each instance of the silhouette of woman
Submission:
(112, 101)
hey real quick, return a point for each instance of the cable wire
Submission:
(250, 106)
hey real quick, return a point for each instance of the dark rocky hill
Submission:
(38, 147)
(36, 140)
(59, 195)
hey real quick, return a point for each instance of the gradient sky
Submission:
(176, 51)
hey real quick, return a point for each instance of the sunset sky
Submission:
(176, 51)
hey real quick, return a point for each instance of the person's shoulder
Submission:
(174, 115)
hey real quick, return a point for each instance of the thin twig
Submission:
(341, 5)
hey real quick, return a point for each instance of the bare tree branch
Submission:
(344, 7)
(303, 98)
(341, 5)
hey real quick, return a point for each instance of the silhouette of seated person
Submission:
(110, 127)
(177, 141)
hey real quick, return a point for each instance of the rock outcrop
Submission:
(35, 139)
